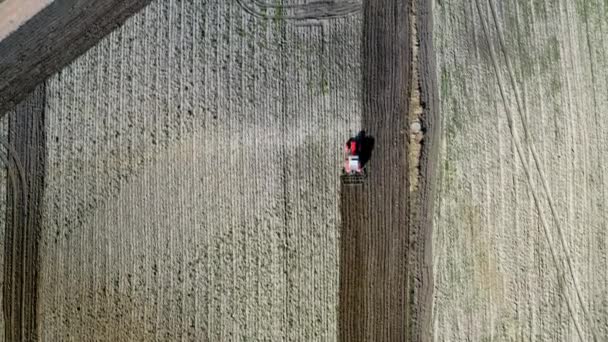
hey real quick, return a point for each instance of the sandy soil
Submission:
(520, 258)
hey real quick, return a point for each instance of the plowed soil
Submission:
(375, 240)
(386, 282)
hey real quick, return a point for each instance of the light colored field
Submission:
(507, 267)
(192, 187)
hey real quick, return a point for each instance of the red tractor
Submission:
(358, 151)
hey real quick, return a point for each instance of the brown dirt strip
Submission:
(374, 247)
(386, 266)
(421, 202)
(27, 139)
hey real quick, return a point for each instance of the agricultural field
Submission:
(191, 185)
(192, 181)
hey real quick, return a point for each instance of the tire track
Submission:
(540, 171)
(533, 190)
(25, 160)
(314, 10)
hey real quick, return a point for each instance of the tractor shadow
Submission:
(367, 146)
